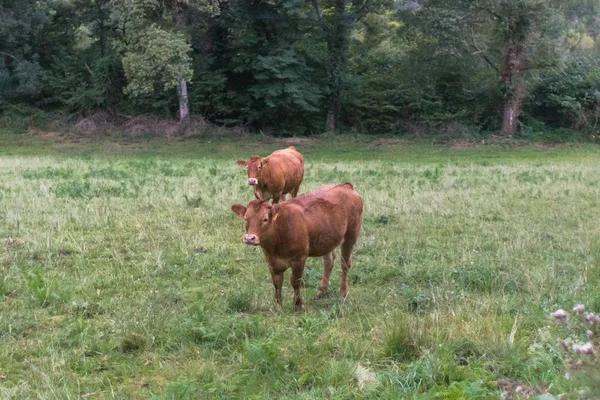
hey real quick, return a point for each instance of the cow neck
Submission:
(267, 175)
(268, 243)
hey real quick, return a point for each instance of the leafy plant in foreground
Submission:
(583, 367)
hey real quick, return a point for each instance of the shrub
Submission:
(569, 97)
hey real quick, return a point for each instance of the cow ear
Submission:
(265, 162)
(239, 209)
(242, 163)
(273, 213)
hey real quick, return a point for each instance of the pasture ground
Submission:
(123, 275)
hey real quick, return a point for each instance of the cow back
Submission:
(286, 169)
(325, 214)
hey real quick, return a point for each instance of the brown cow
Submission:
(276, 175)
(311, 225)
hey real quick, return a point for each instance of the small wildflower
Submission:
(579, 308)
(591, 318)
(564, 344)
(587, 348)
(590, 334)
(560, 315)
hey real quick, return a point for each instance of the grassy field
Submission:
(123, 275)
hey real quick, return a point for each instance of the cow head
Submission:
(254, 166)
(258, 215)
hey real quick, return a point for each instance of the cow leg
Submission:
(347, 247)
(296, 282)
(327, 267)
(350, 239)
(294, 191)
(278, 283)
(276, 197)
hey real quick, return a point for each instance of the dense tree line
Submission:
(302, 66)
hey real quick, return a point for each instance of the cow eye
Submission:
(259, 167)
(266, 220)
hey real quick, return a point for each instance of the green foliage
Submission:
(79, 86)
(284, 66)
(135, 12)
(156, 60)
(569, 97)
(20, 117)
(21, 75)
(283, 91)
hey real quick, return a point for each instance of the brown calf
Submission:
(311, 225)
(276, 175)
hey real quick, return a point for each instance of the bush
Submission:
(19, 118)
(570, 97)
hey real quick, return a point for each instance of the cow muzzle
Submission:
(251, 240)
(252, 181)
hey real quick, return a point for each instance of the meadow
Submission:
(123, 274)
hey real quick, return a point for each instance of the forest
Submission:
(510, 67)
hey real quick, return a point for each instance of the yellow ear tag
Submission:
(275, 217)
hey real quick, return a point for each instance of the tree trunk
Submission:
(512, 109)
(337, 64)
(330, 123)
(333, 115)
(184, 110)
(514, 86)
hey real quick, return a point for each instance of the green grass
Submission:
(123, 275)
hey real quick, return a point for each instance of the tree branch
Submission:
(481, 52)
(89, 70)
(10, 55)
(486, 59)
